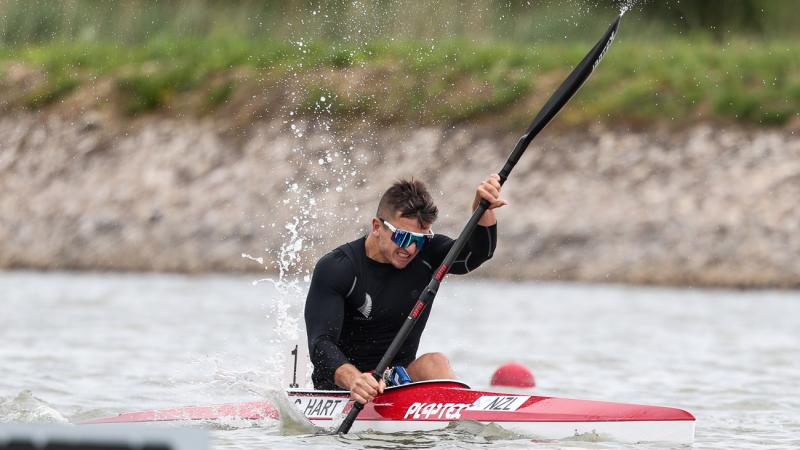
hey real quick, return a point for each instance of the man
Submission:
(362, 292)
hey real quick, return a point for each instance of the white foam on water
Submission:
(27, 408)
(488, 432)
(237, 423)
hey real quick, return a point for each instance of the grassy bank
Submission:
(403, 60)
(673, 80)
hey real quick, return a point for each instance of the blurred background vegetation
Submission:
(425, 62)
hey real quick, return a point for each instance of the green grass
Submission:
(49, 92)
(677, 79)
(409, 61)
(218, 95)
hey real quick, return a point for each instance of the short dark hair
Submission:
(411, 199)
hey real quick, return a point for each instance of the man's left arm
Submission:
(483, 240)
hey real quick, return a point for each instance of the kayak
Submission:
(431, 405)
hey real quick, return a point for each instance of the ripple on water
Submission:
(750, 404)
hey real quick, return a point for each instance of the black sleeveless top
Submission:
(356, 305)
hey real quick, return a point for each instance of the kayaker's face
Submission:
(391, 252)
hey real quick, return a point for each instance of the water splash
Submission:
(27, 408)
(325, 171)
(626, 5)
(259, 259)
(225, 379)
(293, 421)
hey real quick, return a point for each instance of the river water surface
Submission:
(77, 346)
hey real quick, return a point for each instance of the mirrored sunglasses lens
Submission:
(400, 237)
(418, 240)
(404, 239)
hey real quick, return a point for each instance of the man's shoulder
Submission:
(335, 269)
(334, 257)
(440, 242)
(441, 239)
(338, 259)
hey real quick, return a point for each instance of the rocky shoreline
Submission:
(710, 205)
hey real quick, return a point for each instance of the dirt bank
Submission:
(703, 206)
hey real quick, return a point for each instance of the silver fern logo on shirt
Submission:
(366, 308)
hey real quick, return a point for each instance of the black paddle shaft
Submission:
(562, 95)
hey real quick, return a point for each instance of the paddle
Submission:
(549, 110)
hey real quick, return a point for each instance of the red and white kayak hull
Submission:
(435, 404)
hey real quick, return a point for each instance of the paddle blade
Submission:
(563, 94)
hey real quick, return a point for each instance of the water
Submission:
(76, 346)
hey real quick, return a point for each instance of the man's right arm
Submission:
(331, 282)
(324, 312)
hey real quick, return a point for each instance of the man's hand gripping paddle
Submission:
(564, 93)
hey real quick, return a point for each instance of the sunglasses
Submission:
(404, 238)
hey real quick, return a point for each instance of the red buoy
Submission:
(513, 374)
